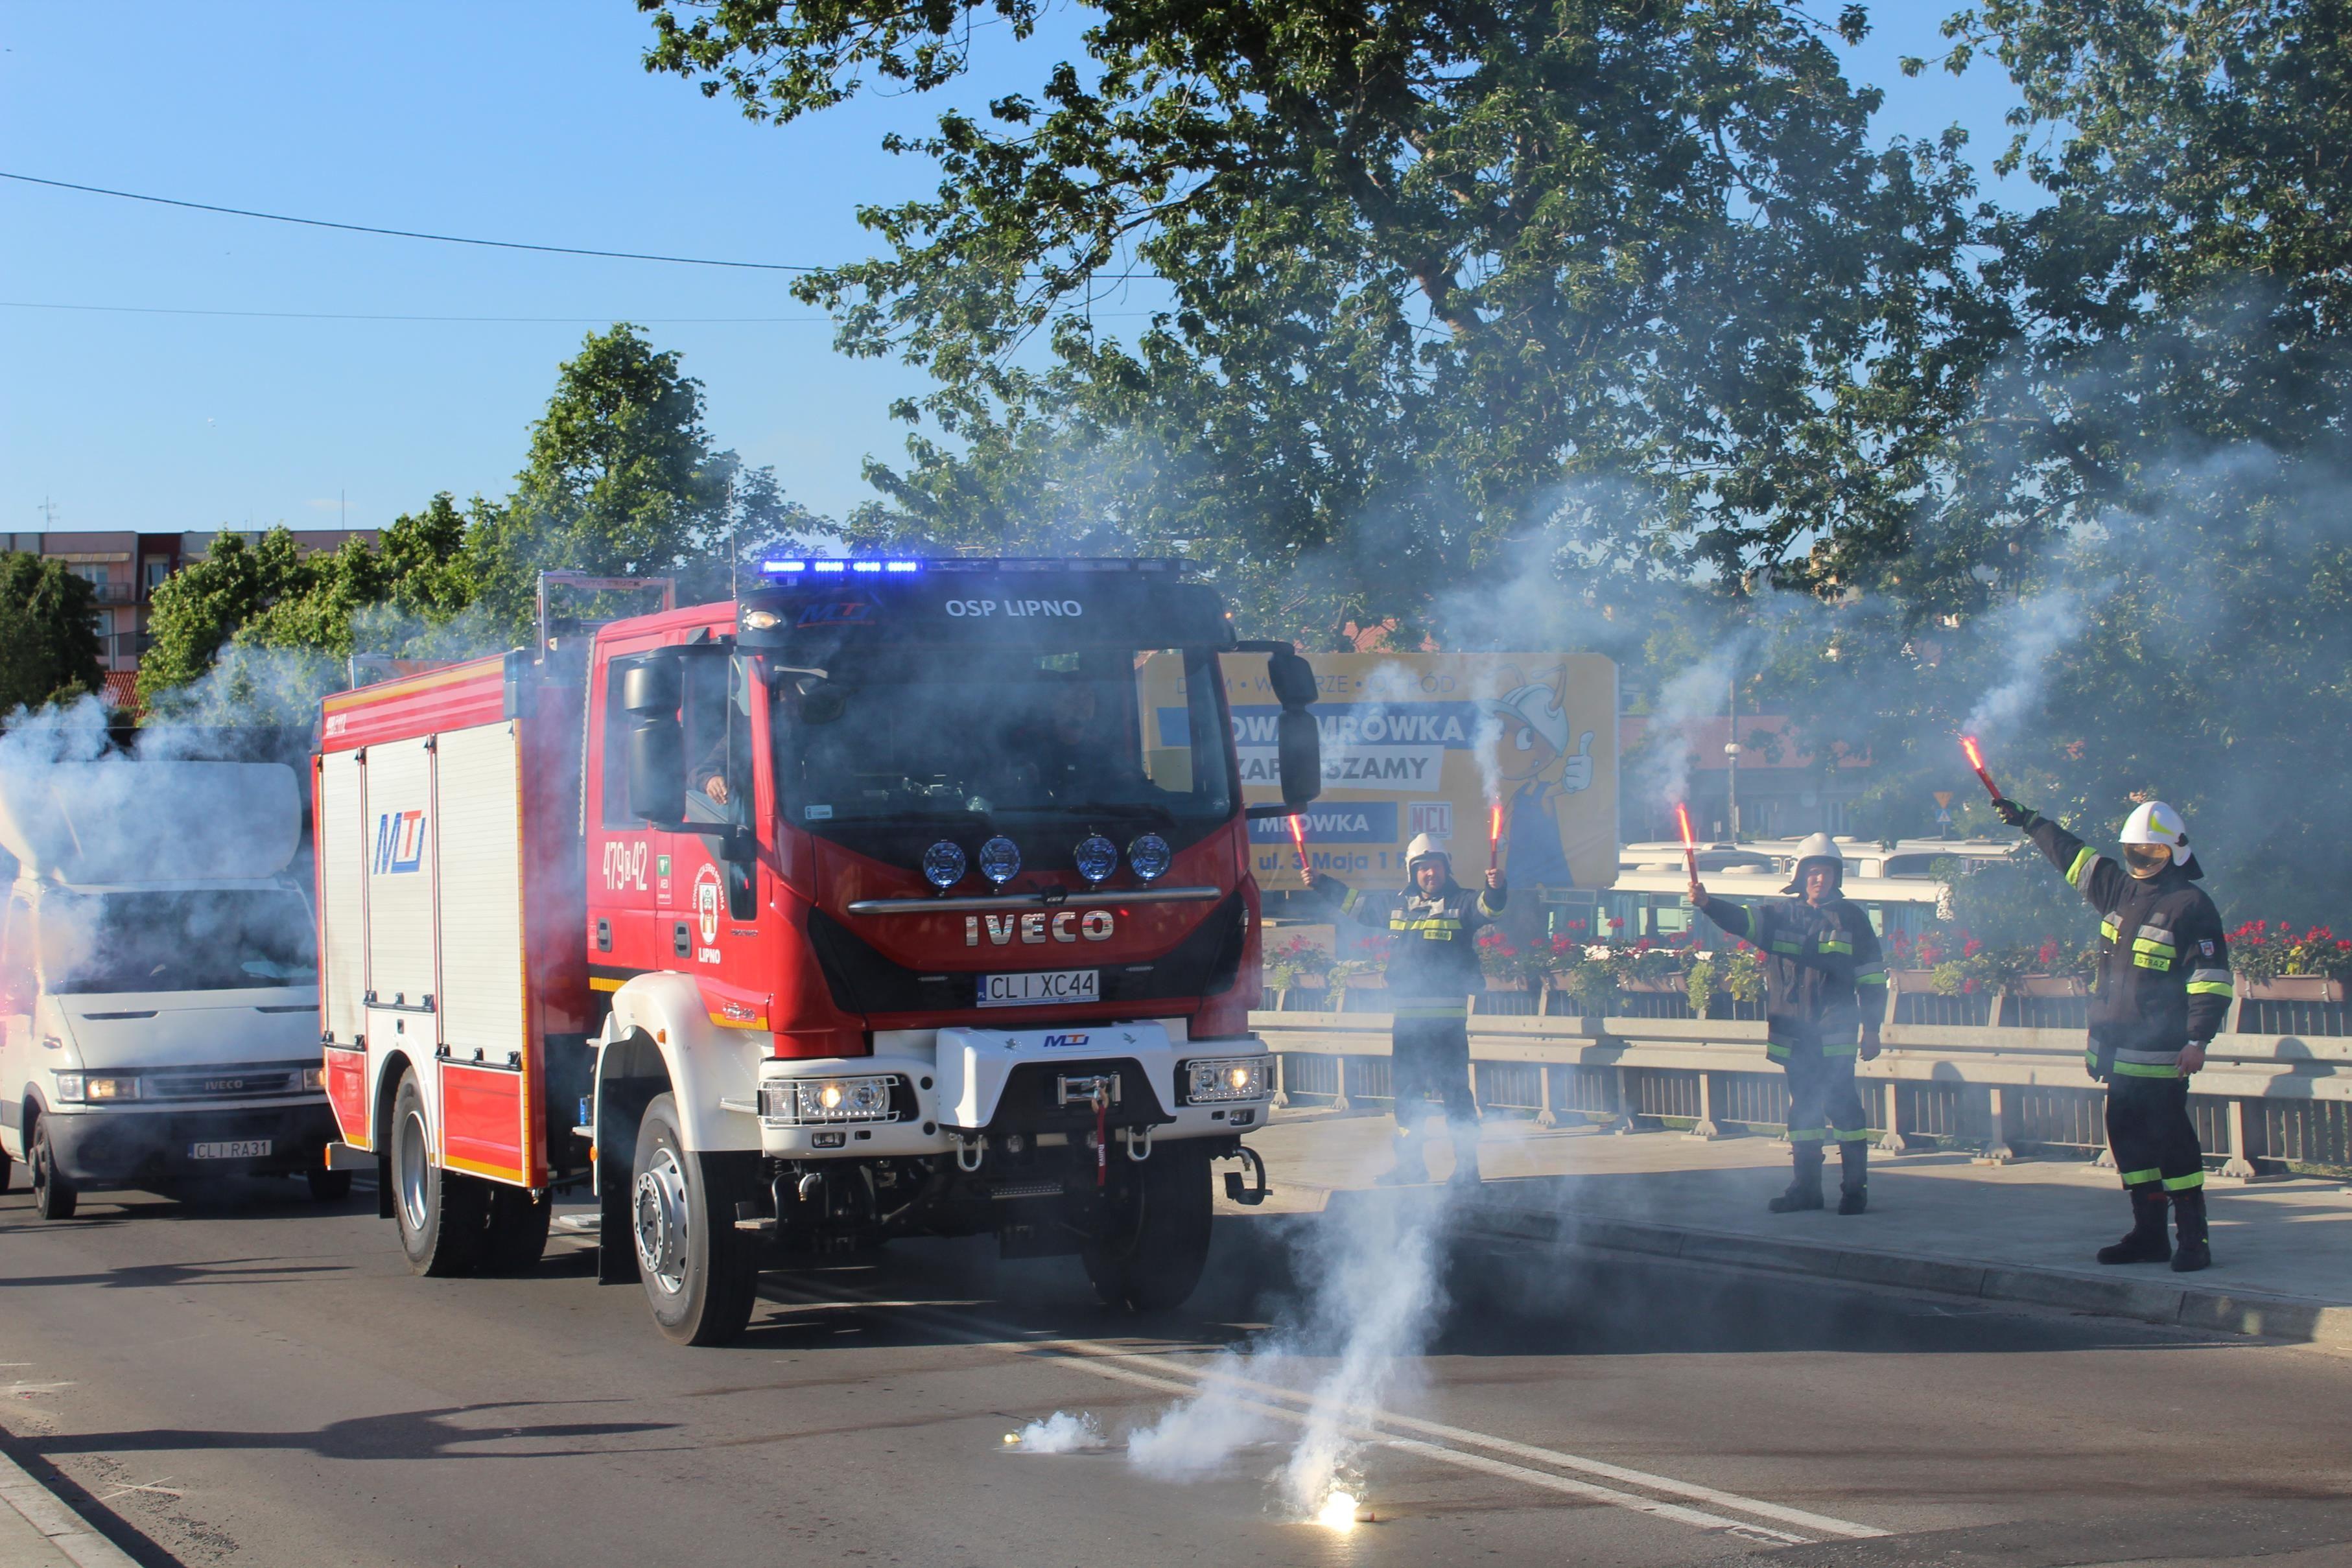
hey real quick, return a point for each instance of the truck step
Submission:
(1012, 1189)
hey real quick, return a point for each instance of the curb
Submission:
(66, 1532)
(2300, 1319)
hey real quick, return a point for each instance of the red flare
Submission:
(1690, 844)
(1493, 834)
(1298, 838)
(1976, 762)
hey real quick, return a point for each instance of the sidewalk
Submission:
(36, 1530)
(2021, 1232)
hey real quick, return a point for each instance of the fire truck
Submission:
(893, 897)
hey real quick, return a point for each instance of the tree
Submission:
(49, 649)
(1417, 268)
(201, 606)
(621, 479)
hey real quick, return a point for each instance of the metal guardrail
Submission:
(2264, 1103)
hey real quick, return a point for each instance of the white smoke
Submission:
(1060, 1433)
(2023, 636)
(1699, 691)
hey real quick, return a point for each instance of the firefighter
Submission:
(2163, 992)
(1435, 922)
(1826, 985)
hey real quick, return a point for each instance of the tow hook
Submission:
(1248, 1197)
(1139, 1142)
(969, 1152)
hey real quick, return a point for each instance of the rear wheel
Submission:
(517, 1235)
(442, 1216)
(1154, 1260)
(698, 1270)
(54, 1197)
(329, 1186)
(4, 1163)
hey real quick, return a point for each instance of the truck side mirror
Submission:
(1292, 678)
(656, 764)
(1299, 748)
(650, 686)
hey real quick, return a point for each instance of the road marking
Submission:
(1156, 1371)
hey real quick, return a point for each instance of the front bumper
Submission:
(1148, 1099)
(126, 1147)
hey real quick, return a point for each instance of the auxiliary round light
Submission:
(999, 860)
(1096, 857)
(1149, 856)
(943, 864)
(870, 1096)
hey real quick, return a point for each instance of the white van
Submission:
(158, 998)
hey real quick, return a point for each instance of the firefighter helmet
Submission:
(1423, 848)
(1818, 847)
(2153, 823)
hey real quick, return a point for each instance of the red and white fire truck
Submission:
(878, 901)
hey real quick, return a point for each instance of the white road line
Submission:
(1156, 1371)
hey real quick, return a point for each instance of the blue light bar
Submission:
(794, 568)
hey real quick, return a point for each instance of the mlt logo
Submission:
(399, 842)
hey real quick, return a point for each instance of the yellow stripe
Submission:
(507, 1174)
(2082, 860)
(601, 983)
(2184, 1182)
(2211, 989)
(725, 1022)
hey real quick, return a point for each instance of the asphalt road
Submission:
(255, 1380)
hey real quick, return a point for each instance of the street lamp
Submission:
(1731, 761)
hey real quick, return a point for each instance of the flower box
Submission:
(2292, 988)
(2049, 986)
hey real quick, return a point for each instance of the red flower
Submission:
(2047, 953)
(1616, 924)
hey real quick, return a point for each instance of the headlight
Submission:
(314, 1079)
(1149, 856)
(97, 1088)
(823, 1099)
(943, 864)
(999, 860)
(1217, 1079)
(1096, 857)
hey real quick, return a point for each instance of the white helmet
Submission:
(2153, 823)
(1819, 847)
(1421, 848)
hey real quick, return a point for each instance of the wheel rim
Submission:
(414, 1175)
(659, 1218)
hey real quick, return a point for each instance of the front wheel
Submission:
(54, 1197)
(699, 1272)
(1154, 1257)
(442, 1217)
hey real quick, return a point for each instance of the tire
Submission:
(329, 1186)
(516, 1233)
(699, 1272)
(1155, 1261)
(54, 1197)
(4, 1163)
(442, 1216)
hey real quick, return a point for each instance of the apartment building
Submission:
(126, 569)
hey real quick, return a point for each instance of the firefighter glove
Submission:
(2015, 815)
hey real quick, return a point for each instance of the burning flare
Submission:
(1690, 844)
(1298, 838)
(1493, 834)
(1337, 1512)
(1976, 761)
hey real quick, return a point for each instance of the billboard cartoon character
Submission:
(1537, 771)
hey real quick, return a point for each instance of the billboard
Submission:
(1431, 743)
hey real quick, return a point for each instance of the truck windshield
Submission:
(917, 732)
(207, 940)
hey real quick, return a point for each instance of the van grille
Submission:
(222, 1083)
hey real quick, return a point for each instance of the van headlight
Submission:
(799, 1102)
(97, 1088)
(314, 1079)
(1218, 1079)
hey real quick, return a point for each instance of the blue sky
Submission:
(519, 121)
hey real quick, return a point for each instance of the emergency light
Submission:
(799, 568)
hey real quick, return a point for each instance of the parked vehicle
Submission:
(873, 903)
(158, 983)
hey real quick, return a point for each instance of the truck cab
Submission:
(158, 981)
(902, 908)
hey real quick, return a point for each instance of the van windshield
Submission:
(205, 940)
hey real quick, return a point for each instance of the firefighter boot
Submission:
(2145, 1242)
(1805, 1191)
(1411, 1168)
(1465, 1157)
(2189, 1214)
(1854, 1182)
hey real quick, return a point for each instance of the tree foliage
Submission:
(49, 649)
(1419, 268)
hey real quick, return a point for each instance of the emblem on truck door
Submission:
(707, 900)
(399, 841)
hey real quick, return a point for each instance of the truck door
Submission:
(715, 933)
